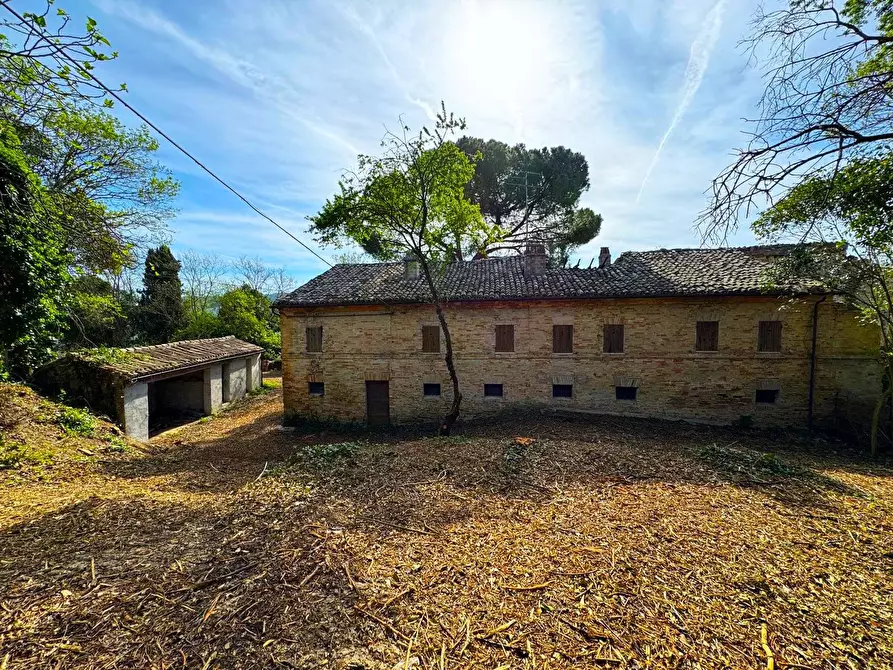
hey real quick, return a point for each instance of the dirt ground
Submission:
(234, 543)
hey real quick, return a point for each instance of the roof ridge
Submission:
(164, 345)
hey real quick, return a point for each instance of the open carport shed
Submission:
(145, 386)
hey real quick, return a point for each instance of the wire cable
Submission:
(158, 130)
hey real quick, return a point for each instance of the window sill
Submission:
(494, 398)
(316, 395)
(769, 354)
(708, 352)
(432, 397)
(613, 353)
(564, 354)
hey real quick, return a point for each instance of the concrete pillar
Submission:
(213, 395)
(254, 377)
(136, 411)
(234, 380)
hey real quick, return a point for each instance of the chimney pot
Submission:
(410, 267)
(604, 257)
(535, 260)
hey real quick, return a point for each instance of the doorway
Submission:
(378, 403)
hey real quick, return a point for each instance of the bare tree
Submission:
(252, 271)
(282, 282)
(203, 279)
(827, 101)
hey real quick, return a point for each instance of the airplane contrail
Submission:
(698, 60)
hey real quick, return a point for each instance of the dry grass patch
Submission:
(623, 544)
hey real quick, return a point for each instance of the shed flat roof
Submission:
(161, 359)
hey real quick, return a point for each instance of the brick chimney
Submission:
(604, 257)
(410, 267)
(535, 260)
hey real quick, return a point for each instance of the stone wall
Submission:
(672, 379)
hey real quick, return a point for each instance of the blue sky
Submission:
(278, 96)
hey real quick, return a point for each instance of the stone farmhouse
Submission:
(676, 334)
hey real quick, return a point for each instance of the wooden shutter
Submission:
(770, 336)
(562, 339)
(613, 338)
(707, 337)
(431, 339)
(314, 338)
(505, 338)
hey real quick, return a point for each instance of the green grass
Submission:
(76, 421)
(14, 454)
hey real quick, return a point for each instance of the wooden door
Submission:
(378, 404)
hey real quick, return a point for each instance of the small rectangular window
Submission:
(613, 338)
(625, 392)
(316, 388)
(314, 338)
(505, 338)
(707, 336)
(562, 339)
(431, 339)
(770, 336)
(562, 390)
(768, 396)
(431, 389)
(493, 390)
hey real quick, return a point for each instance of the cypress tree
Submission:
(161, 304)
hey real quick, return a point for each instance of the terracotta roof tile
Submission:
(161, 358)
(663, 273)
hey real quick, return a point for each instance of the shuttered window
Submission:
(314, 338)
(707, 336)
(770, 336)
(562, 339)
(625, 392)
(613, 338)
(493, 390)
(562, 391)
(431, 339)
(505, 338)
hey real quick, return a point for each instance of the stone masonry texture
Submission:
(673, 380)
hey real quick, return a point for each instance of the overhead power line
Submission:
(158, 130)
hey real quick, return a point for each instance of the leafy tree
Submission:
(828, 68)
(94, 316)
(104, 181)
(411, 201)
(247, 313)
(161, 305)
(532, 195)
(848, 215)
(46, 61)
(33, 262)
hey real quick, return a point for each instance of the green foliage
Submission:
(15, 453)
(531, 195)
(116, 444)
(327, 453)
(33, 262)
(94, 314)
(247, 314)
(109, 356)
(76, 421)
(161, 304)
(200, 325)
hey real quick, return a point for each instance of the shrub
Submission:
(76, 421)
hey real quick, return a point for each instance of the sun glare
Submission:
(502, 52)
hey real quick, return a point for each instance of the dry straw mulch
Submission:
(606, 543)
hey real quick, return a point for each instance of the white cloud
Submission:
(278, 97)
(698, 61)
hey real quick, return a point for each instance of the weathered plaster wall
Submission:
(674, 380)
(234, 380)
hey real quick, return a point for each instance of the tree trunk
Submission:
(447, 424)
